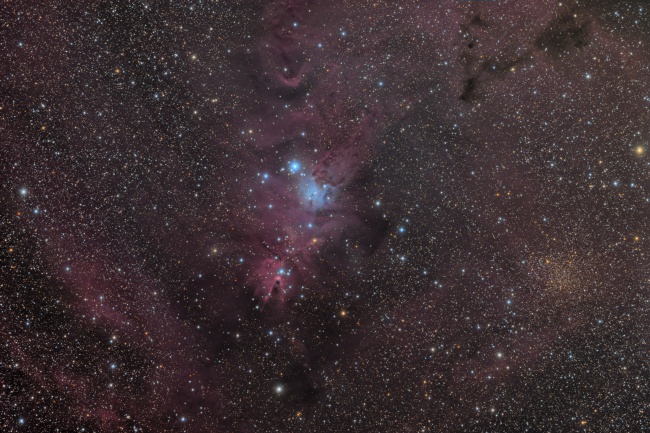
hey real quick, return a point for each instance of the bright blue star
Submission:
(294, 166)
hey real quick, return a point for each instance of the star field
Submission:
(298, 216)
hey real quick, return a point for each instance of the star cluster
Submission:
(297, 216)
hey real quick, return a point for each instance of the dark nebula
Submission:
(301, 216)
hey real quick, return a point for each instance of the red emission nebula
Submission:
(236, 216)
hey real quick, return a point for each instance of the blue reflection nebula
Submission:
(314, 195)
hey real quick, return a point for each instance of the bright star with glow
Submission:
(294, 166)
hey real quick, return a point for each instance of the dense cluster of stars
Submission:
(294, 216)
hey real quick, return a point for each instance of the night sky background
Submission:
(324, 216)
